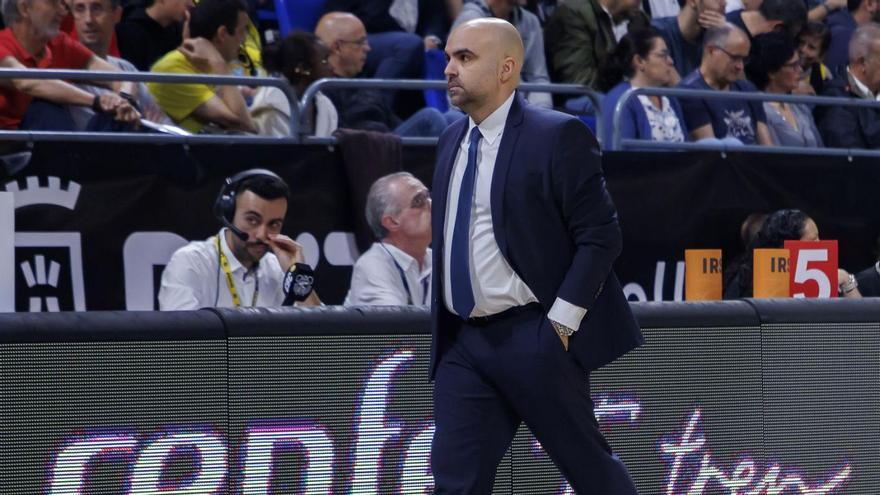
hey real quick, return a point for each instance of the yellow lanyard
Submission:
(224, 263)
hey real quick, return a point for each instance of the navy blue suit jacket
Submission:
(554, 223)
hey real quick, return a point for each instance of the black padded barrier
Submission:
(725, 397)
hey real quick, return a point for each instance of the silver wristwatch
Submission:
(563, 330)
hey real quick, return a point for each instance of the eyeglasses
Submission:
(734, 58)
(360, 42)
(421, 200)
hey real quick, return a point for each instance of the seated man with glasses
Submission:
(725, 51)
(396, 270)
(366, 109)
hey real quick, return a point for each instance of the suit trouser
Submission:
(512, 370)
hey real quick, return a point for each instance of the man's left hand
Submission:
(288, 251)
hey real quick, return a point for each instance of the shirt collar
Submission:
(862, 89)
(492, 126)
(27, 58)
(406, 261)
(234, 264)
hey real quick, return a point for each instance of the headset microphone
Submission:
(235, 230)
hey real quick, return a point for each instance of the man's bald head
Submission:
(485, 58)
(337, 25)
(346, 37)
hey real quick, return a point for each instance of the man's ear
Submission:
(508, 67)
(117, 14)
(23, 8)
(390, 223)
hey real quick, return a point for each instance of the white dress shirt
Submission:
(496, 286)
(193, 278)
(376, 278)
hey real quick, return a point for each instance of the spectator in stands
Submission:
(399, 33)
(534, 68)
(345, 36)
(396, 270)
(788, 16)
(95, 21)
(152, 30)
(750, 227)
(641, 60)
(855, 127)
(842, 24)
(868, 280)
(775, 67)
(33, 40)
(581, 33)
(300, 58)
(778, 227)
(812, 46)
(218, 29)
(684, 33)
(725, 50)
(235, 268)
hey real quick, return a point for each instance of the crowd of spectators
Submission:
(805, 47)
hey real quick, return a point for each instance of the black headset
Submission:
(224, 206)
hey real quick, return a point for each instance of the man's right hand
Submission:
(203, 55)
(119, 107)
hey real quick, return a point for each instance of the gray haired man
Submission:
(396, 270)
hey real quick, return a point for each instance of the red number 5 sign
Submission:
(813, 268)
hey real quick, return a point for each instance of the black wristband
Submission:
(96, 104)
(298, 283)
(130, 99)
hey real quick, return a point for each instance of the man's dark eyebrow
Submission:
(252, 212)
(462, 51)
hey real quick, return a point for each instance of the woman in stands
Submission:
(774, 66)
(641, 59)
(302, 59)
(778, 227)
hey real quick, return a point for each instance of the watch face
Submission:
(302, 284)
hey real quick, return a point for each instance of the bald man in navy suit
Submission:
(525, 303)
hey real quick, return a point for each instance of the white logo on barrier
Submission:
(52, 270)
(140, 253)
(35, 194)
(35, 274)
(635, 292)
(691, 468)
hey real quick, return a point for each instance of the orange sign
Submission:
(770, 273)
(702, 274)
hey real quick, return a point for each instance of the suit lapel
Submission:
(442, 177)
(502, 168)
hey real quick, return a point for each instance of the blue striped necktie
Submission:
(459, 269)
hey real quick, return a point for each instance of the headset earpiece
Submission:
(224, 205)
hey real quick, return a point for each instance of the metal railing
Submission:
(620, 144)
(137, 137)
(415, 84)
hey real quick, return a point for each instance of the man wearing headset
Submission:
(235, 268)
